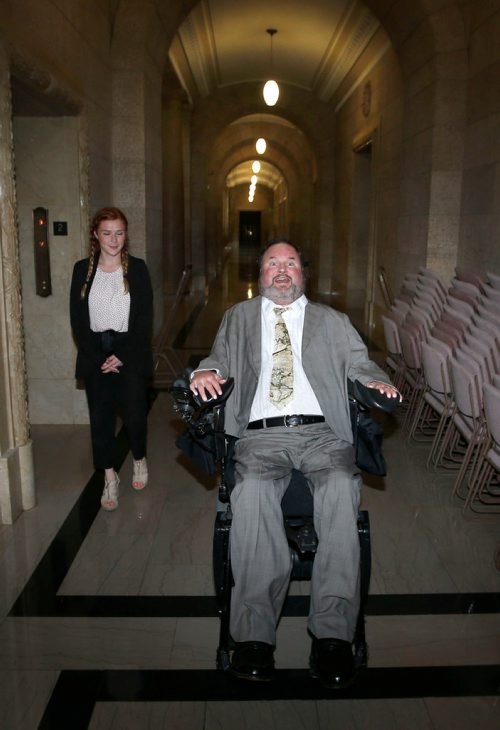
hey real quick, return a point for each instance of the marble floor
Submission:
(108, 620)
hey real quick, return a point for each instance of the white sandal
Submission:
(140, 475)
(109, 499)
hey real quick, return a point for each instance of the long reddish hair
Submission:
(106, 214)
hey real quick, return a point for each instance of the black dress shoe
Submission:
(332, 662)
(253, 660)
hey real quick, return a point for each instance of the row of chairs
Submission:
(443, 352)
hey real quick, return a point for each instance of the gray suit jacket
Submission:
(332, 352)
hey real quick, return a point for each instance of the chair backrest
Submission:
(430, 275)
(491, 399)
(466, 287)
(431, 287)
(493, 280)
(428, 306)
(472, 277)
(458, 304)
(455, 312)
(491, 342)
(400, 304)
(411, 339)
(491, 293)
(464, 296)
(467, 387)
(466, 353)
(486, 326)
(485, 348)
(448, 334)
(491, 305)
(440, 345)
(391, 336)
(488, 314)
(435, 367)
(421, 320)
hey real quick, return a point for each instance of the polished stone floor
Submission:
(108, 620)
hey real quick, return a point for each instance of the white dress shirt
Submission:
(304, 401)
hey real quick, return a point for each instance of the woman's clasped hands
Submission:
(111, 365)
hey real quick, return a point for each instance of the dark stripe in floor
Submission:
(33, 603)
(76, 692)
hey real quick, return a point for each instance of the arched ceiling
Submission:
(222, 42)
(268, 175)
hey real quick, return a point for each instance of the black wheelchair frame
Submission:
(206, 434)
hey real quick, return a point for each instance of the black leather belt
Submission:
(288, 421)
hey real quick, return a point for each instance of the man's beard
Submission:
(282, 297)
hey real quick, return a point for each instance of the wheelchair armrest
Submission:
(187, 403)
(371, 397)
(210, 402)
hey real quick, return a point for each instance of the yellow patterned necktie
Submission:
(281, 390)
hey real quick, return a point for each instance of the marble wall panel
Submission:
(128, 185)
(480, 242)
(483, 141)
(50, 400)
(479, 238)
(484, 45)
(420, 111)
(484, 93)
(416, 50)
(478, 195)
(48, 175)
(415, 195)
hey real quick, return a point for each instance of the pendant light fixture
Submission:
(261, 145)
(271, 90)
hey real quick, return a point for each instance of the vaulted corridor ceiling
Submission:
(222, 43)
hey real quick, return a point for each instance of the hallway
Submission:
(108, 620)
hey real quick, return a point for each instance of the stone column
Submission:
(17, 486)
(173, 191)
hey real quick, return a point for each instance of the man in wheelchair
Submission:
(291, 360)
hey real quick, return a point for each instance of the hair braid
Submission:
(124, 258)
(93, 249)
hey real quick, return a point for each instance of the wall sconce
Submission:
(41, 248)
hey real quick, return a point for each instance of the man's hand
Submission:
(207, 383)
(389, 390)
(111, 365)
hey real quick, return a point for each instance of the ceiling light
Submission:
(256, 166)
(261, 145)
(271, 91)
(253, 179)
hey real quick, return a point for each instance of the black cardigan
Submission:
(135, 350)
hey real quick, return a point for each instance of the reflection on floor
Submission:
(108, 620)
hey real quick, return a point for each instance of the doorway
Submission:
(250, 231)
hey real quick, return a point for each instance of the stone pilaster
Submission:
(17, 490)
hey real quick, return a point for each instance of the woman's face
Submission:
(111, 236)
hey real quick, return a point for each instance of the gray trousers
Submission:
(260, 555)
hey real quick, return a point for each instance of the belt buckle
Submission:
(291, 421)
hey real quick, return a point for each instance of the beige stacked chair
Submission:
(448, 352)
(484, 494)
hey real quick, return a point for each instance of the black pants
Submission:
(126, 393)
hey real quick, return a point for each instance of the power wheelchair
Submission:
(206, 443)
